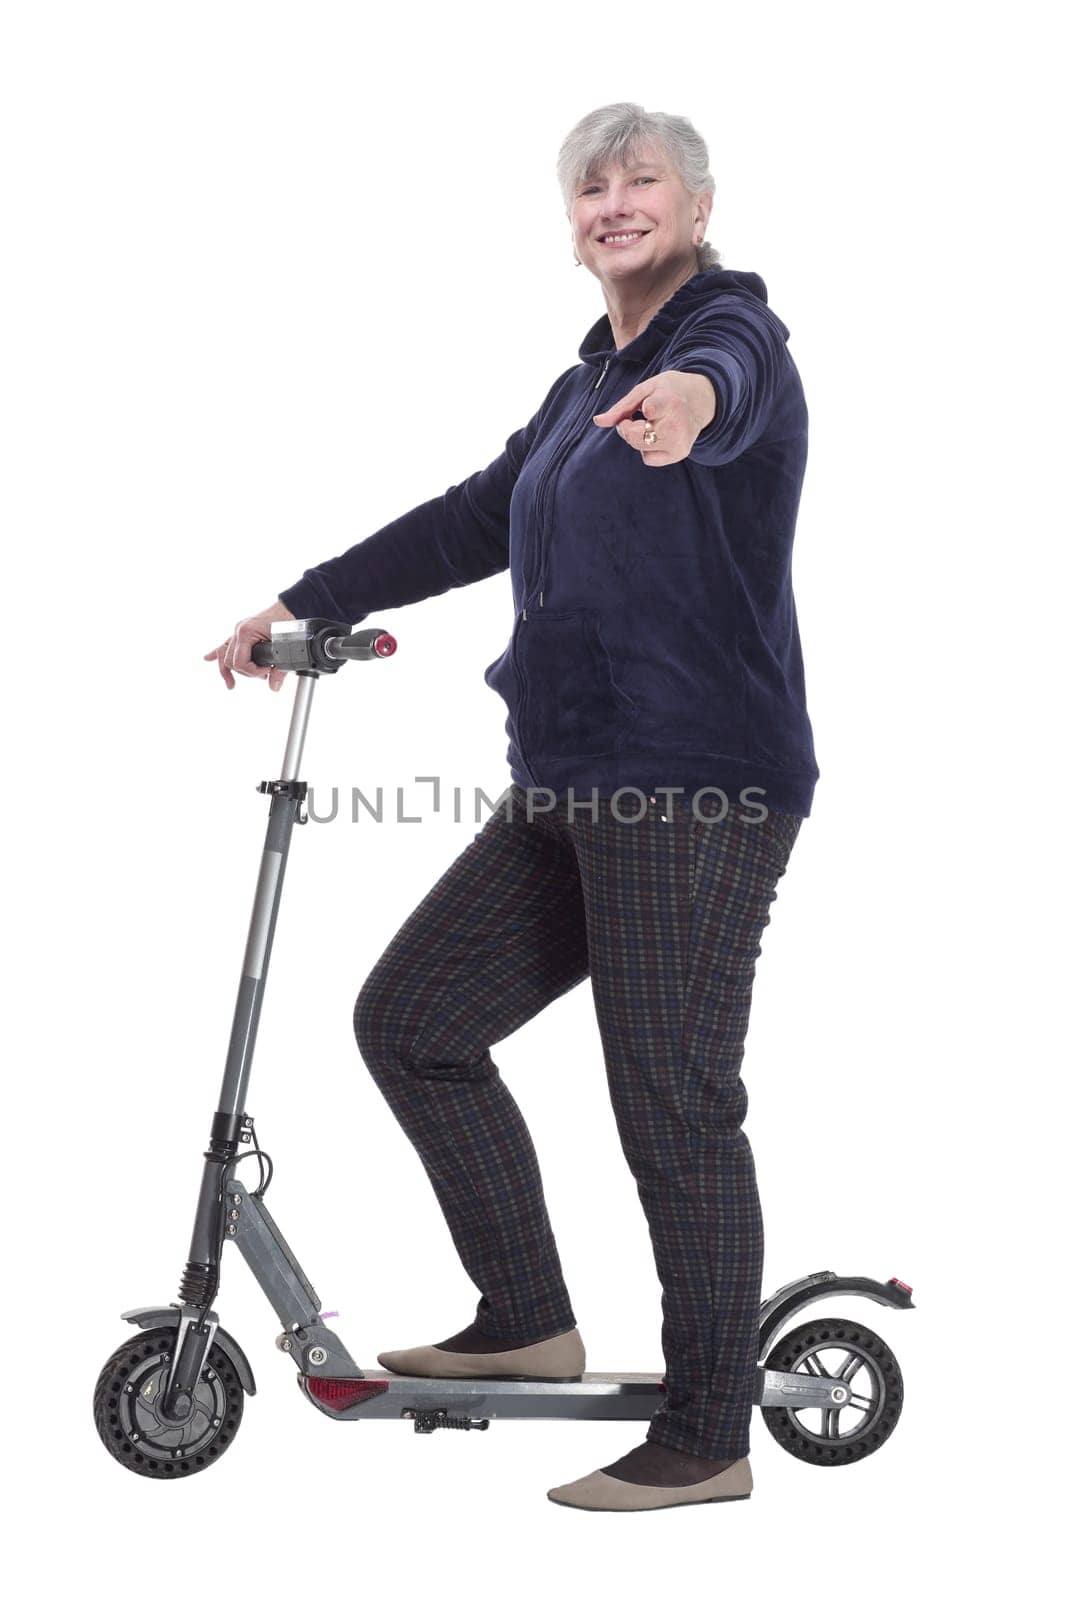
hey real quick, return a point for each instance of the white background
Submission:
(276, 273)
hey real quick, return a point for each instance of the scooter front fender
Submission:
(170, 1317)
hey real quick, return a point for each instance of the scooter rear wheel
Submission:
(837, 1436)
(128, 1420)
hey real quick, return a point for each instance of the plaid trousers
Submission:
(664, 916)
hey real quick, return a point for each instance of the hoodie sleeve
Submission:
(741, 348)
(444, 543)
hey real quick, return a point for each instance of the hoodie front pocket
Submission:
(571, 704)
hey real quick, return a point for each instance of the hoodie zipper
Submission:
(542, 499)
(540, 507)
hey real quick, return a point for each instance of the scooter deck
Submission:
(605, 1395)
(588, 1383)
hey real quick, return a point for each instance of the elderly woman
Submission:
(662, 762)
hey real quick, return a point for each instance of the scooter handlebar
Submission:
(365, 645)
(315, 644)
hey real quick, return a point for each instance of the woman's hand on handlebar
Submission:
(235, 653)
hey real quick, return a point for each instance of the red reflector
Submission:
(342, 1393)
(901, 1284)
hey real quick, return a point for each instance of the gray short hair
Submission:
(616, 133)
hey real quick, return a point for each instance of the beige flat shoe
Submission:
(560, 1359)
(598, 1491)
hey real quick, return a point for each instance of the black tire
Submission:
(838, 1436)
(133, 1432)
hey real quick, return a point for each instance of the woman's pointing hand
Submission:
(675, 406)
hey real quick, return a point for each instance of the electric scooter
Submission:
(169, 1401)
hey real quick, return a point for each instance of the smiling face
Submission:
(642, 196)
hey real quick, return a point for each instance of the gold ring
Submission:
(650, 436)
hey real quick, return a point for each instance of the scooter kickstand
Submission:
(427, 1421)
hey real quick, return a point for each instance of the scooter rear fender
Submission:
(802, 1292)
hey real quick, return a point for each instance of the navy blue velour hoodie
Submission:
(655, 638)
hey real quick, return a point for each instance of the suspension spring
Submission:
(199, 1285)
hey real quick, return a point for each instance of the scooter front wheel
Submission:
(837, 1436)
(131, 1425)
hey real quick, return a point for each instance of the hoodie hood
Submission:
(690, 299)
